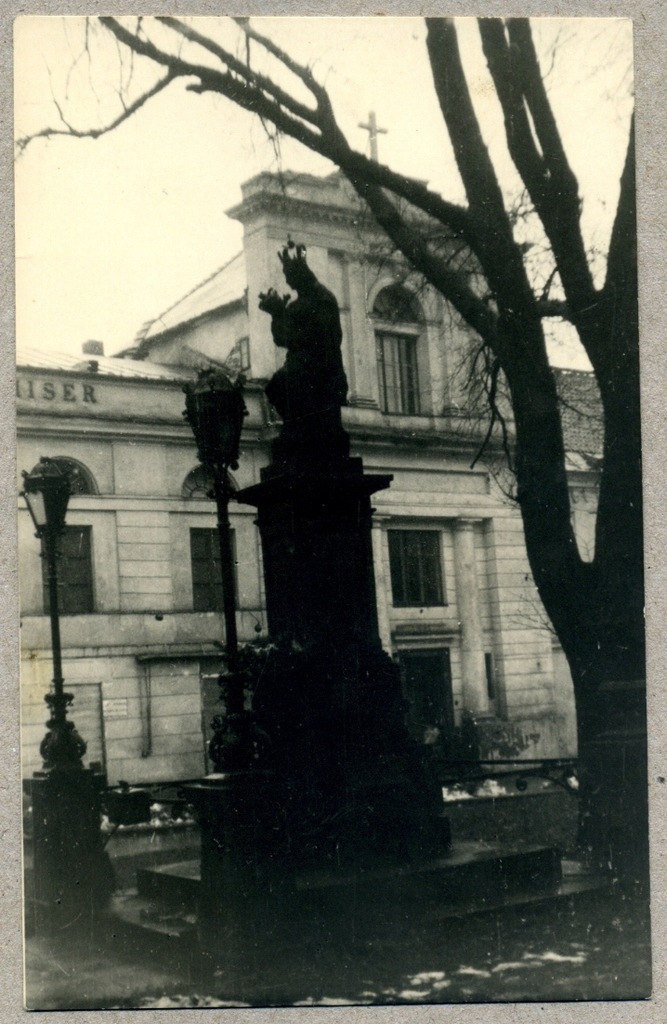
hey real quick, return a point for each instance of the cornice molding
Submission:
(306, 209)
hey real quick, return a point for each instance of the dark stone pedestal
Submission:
(339, 787)
(315, 525)
(72, 877)
(328, 697)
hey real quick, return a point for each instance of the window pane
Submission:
(244, 354)
(75, 573)
(415, 561)
(200, 543)
(382, 371)
(409, 379)
(206, 569)
(397, 372)
(429, 567)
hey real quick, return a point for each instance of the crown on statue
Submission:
(292, 253)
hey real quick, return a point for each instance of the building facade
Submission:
(142, 614)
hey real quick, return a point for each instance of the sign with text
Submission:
(115, 707)
(57, 391)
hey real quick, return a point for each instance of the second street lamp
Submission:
(238, 804)
(215, 410)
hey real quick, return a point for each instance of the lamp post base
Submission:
(71, 876)
(244, 877)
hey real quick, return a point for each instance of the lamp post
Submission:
(238, 805)
(72, 875)
(215, 410)
(47, 490)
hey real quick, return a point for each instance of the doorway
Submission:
(427, 687)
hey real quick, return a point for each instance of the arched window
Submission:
(397, 305)
(199, 483)
(397, 318)
(80, 478)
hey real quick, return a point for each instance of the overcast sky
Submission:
(110, 232)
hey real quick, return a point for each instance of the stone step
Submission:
(568, 888)
(171, 886)
(139, 914)
(466, 869)
(469, 871)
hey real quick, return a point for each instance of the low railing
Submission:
(561, 771)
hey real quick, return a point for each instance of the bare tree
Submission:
(596, 607)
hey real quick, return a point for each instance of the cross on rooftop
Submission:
(371, 126)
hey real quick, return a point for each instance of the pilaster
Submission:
(473, 671)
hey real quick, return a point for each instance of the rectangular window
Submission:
(206, 569)
(397, 371)
(75, 573)
(415, 561)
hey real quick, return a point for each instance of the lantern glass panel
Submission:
(47, 492)
(36, 507)
(215, 411)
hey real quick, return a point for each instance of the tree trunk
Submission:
(596, 608)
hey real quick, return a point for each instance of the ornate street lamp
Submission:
(72, 876)
(215, 410)
(47, 490)
(238, 804)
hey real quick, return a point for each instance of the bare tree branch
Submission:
(624, 233)
(95, 133)
(499, 254)
(253, 78)
(314, 127)
(450, 282)
(474, 163)
(545, 170)
(304, 73)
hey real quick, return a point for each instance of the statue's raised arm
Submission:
(310, 388)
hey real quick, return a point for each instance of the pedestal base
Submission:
(344, 788)
(261, 836)
(72, 877)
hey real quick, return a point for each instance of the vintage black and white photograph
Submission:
(333, 685)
